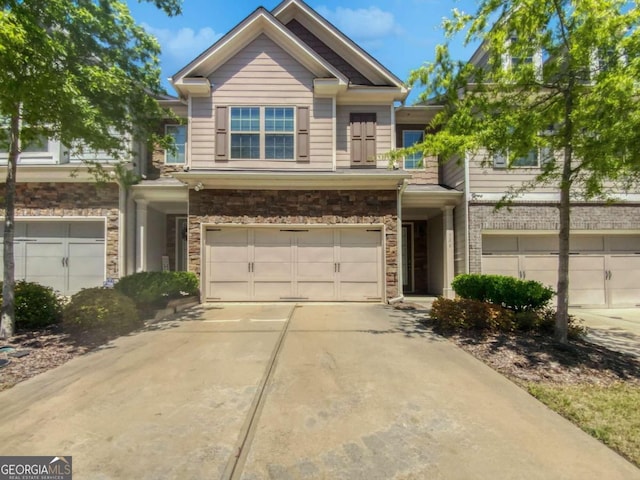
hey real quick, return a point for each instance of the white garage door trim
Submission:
(605, 267)
(274, 273)
(102, 240)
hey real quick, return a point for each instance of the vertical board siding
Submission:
(261, 74)
(343, 139)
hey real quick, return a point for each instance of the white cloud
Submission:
(185, 44)
(368, 25)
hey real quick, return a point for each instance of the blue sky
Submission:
(401, 34)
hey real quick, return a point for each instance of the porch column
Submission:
(141, 240)
(448, 251)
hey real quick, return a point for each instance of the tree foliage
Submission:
(554, 76)
(79, 71)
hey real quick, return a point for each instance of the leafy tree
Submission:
(561, 77)
(81, 71)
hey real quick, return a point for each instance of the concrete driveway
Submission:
(288, 392)
(615, 328)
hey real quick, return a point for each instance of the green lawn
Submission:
(609, 413)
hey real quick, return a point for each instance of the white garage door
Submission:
(604, 269)
(266, 263)
(66, 256)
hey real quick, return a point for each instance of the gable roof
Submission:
(368, 66)
(259, 22)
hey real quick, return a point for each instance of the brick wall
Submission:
(73, 200)
(296, 207)
(544, 217)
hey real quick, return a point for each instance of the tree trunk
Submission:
(562, 312)
(7, 314)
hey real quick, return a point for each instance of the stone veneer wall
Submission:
(281, 207)
(73, 199)
(544, 217)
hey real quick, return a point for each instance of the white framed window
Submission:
(262, 132)
(410, 138)
(534, 159)
(179, 135)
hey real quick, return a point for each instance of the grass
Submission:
(609, 413)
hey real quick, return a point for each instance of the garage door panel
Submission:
(86, 230)
(359, 291)
(500, 265)
(272, 290)
(593, 297)
(228, 290)
(47, 229)
(272, 271)
(624, 282)
(317, 290)
(359, 237)
(358, 272)
(316, 271)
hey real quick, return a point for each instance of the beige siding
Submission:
(486, 179)
(261, 74)
(383, 132)
(453, 174)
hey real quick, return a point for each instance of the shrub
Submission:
(466, 314)
(100, 312)
(153, 289)
(509, 292)
(36, 306)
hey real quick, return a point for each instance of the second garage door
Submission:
(306, 264)
(604, 269)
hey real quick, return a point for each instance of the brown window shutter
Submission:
(363, 139)
(221, 133)
(303, 134)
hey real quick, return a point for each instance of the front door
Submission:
(407, 257)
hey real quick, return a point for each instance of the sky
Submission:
(400, 34)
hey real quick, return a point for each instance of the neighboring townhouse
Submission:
(69, 232)
(280, 189)
(522, 241)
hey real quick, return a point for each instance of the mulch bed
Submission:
(47, 349)
(528, 357)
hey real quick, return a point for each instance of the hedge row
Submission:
(101, 312)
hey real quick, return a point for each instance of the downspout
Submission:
(401, 188)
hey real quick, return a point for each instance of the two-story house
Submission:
(280, 189)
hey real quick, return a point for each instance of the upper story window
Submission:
(262, 132)
(179, 135)
(410, 138)
(534, 159)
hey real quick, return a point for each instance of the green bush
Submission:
(102, 313)
(155, 289)
(36, 306)
(509, 292)
(468, 314)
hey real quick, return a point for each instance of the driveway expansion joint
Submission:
(236, 462)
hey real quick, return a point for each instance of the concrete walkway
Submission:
(285, 392)
(617, 328)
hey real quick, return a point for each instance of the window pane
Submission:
(279, 147)
(245, 145)
(41, 144)
(410, 138)
(531, 160)
(179, 135)
(278, 119)
(245, 119)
